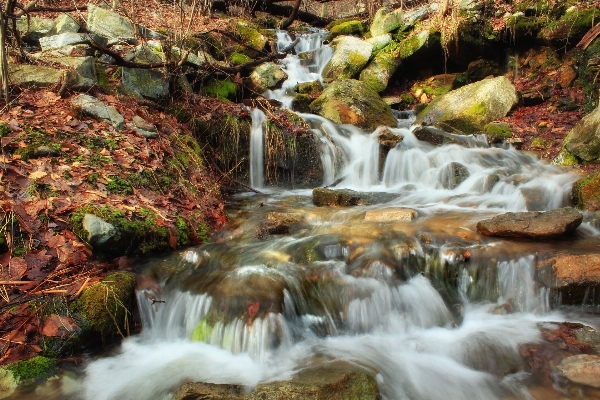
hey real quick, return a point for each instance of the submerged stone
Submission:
(583, 369)
(391, 214)
(348, 197)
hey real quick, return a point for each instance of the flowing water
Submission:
(433, 308)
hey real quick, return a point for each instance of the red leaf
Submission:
(17, 268)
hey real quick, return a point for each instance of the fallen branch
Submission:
(589, 37)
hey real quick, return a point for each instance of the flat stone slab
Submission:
(391, 215)
(583, 369)
(534, 224)
(95, 108)
(348, 197)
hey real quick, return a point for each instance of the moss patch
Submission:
(497, 131)
(34, 370)
(353, 27)
(238, 58)
(105, 306)
(223, 89)
(586, 193)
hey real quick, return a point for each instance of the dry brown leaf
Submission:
(17, 268)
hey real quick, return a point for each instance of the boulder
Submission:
(497, 131)
(533, 224)
(93, 107)
(387, 138)
(65, 23)
(454, 174)
(350, 56)
(438, 137)
(348, 197)
(582, 369)
(301, 103)
(249, 34)
(99, 231)
(108, 23)
(379, 71)
(353, 102)
(354, 27)
(70, 39)
(85, 68)
(570, 274)
(481, 69)
(413, 43)
(471, 107)
(309, 88)
(586, 193)
(379, 42)
(148, 83)
(584, 139)
(386, 21)
(327, 382)
(33, 28)
(266, 76)
(34, 76)
(391, 215)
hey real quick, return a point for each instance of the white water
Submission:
(257, 138)
(405, 330)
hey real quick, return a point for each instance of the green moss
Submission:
(102, 77)
(117, 74)
(539, 143)
(410, 45)
(572, 26)
(118, 185)
(202, 331)
(179, 112)
(239, 58)
(248, 34)
(497, 131)
(4, 129)
(105, 306)
(223, 89)
(34, 370)
(566, 158)
(353, 27)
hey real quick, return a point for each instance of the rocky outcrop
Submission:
(85, 71)
(266, 76)
(353, 102)
(348, 197)
(534, 224)
(386, 21)
(149, 83)
(93, 107)
(350, 56)
(586, 193)
(584, 139)
(34, 76)
(249, 34)
(330, 382)
(471, 107)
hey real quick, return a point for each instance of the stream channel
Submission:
(436, 310)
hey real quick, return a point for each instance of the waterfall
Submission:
(257, 148)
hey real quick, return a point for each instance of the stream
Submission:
(435, 309)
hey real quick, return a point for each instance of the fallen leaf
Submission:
(17, 268)
(37, 175)
(59, 326)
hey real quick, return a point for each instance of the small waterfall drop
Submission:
(257, 148)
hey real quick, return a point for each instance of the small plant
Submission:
(118, 185)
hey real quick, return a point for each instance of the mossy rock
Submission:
(497, 131)
(570, 28)
(248, 33)
(353, 102)
(586, 193)
(179, 112)
(411, 44)
(32, 371)
(106, 307)
(309, 88)
(481, 69)
(588, 74)
(236, 58)
(354, 27)
(379, 71)
(301, 103)
(539, 144)
(565, 158)
(435, 86)
(222, 89)
(386, 21)
(350, 56)
(584, 139)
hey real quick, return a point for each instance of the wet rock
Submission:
(309, 88)
(353, 102)
(348, 197)
(266, 76)
(586, 193)
(583, 369)
(534, 198)
(458, 173)
(391, 214)
(584, 139)
(386, 21)
(534, 224)
(99, 231)
(301, 103)
(287, 217)
(331, 382)
(379, 71)
(93, 107)
(108, 23)
(350, 56)
(497, 131)
(438, 137)
(34, 76)
(571, 275)
(387, 138)
(268, 228)
(471, 107)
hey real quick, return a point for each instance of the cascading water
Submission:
(438, 311)
(257, 138)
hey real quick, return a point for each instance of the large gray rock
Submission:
(533, 224)
(353, 102)
(99, 231)
(386, 21)
(471, 107)
(584, 139)
(93, 107)
(350, 56)
(108, 23)
(81, 73)
(33, 28)
(65, 23)
(266, 76)
(69, 39)
(34, 76)
(149, 83)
